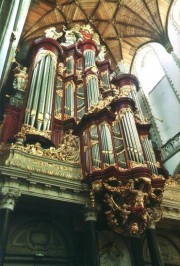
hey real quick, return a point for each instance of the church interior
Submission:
(90, 133)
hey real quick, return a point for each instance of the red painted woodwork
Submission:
(10, 124)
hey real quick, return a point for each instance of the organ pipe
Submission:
(136, 137)
(119, 146)
(34, 104)
(128, 140)
(151, 160)
(89, 58)
(134, 96)
(43, 93)
(39, 104)
(49, 99)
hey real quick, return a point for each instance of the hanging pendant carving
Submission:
(129, 205)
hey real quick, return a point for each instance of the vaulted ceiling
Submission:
(123, 25)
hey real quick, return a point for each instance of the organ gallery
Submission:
(78, 166)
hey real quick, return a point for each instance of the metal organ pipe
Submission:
(34, 92)
(92, 90)
(95, 90)
(107, 144)
(137, 143)
(43, 93)
(80, 102)
(136, 137)
(39, 105)
(58, 98)
(105, 80)
(151, 160)
(133, 95)
(89, 58)
(133, 141)
(128, 139)
(49, 99)
(119, 147)
(31, 94)
(95, 147)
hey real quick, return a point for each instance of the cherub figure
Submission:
(52, 33)
(61, 68)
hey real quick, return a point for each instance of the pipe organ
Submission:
(72, 89)
(39, 105)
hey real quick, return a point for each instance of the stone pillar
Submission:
(167, 67)
(92, 254)
(154, 249)
(8, 197)
(137, 251)
(13, 15)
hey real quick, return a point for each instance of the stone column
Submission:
(154, 249)
(137, 251)
(92, 254)
(8, 197)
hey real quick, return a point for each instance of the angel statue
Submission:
(52, 33)
(20, 78)
(122, 67)
(73, 35)
(101, 55)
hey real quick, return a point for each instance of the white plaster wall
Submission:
(174, 28)
(169, 65)
(166, 107)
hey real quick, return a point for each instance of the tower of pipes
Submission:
(72, 92)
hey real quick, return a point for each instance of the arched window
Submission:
(147, 68)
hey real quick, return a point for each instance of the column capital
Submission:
(151, 225)
(154, 216)
(8, 197)
(90, 214)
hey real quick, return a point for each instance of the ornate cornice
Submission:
(35, 161)
(36, 184)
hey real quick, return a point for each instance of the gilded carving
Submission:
(130, 204)
(68, 150)
(39, 164)
(134, 164)
(100, 105)
(125, 91)
(27, 129)
(61, 68)
(43, 53)
(173, 182)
